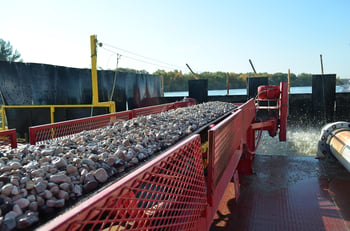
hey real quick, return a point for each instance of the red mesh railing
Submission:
(152, 109)
(224, 154)
(8, 138)
(167, 193)
(59, 129)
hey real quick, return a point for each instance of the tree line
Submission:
(176, 81)
(7, 53)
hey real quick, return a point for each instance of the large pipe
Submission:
(335, 141)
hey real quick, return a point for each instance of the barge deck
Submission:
(288, 193)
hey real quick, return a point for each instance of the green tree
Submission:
(7, 54)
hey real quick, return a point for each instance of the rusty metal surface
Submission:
(288, 193)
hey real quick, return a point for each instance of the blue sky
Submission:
(208, 35)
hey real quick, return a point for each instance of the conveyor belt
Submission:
(202, 130)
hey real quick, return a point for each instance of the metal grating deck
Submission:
(288, 193)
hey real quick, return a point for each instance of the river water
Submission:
(301, 141)
(293, 90)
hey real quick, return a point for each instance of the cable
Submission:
(139, 60)
(145, 57)
(115, 78)
(142, 56)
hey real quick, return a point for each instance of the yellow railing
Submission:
(109, 104)
(94, 85)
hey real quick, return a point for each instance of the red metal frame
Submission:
(224, 154)
(167, 193)
(271, 125)
(152, 110)
(225, 150)
(65, 128)
(170, 192)
(8, 137)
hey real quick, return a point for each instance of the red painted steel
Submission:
(248, 115)
(248, 137)
(152, 110)
(8, 137)
(225, 151)
(170, 192)
(167, 193)
(55, 130)
(224, 140)
(268, 92)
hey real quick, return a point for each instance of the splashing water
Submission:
(300, 141)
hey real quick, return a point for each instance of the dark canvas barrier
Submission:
(15, 91)
(253, 83)
(41, 84)
(198, 90)
(323, 97)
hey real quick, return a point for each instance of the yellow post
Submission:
(3, 118)
(52, 119)
(93, 43)
(52, 114)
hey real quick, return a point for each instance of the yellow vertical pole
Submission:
(3, 118)
(52, 114)
(52, 119)
(93, 43)
(111, 107)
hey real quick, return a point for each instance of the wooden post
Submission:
(288, 81)
(321, 64)
(162, 80)
(251, 64)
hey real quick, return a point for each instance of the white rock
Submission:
(60, 178)
(16, 208)
(15, 165)
(71, 169)
(59, 162)
(47, 194)
(63, 195)
(22, 203)
(101, 175)
(11, 214)
(47, 152)
(15, 190)
(7, 189)
(78, 190)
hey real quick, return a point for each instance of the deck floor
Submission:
(288, 193)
